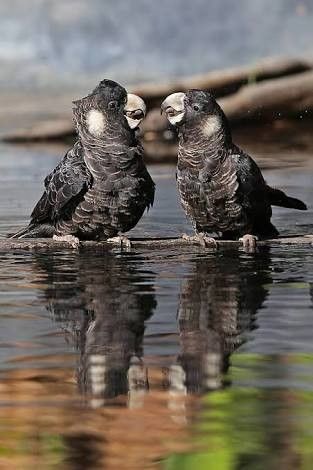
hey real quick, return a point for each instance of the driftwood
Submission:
(46, 244)
(50, 129)
(276, 85)
(272, 99)
(36, 115)
(223, 82)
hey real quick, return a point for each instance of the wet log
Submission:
(272, 99)
(268, 101)
(223, 82)
(46, 244)
(50, 129)
(34, 117)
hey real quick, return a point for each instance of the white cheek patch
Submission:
(95, 122)
(176, 119)
(211, 126)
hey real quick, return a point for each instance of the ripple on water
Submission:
(154, 359)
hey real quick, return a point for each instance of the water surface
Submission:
(170, 359)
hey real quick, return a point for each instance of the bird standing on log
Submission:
(101, 187)
(221, 188)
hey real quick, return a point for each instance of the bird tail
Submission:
(34, 231)
(279, 198)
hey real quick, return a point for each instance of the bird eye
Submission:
(196, 107)
(112, 105)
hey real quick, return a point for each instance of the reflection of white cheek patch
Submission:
(211, 126)
(176, 119)
(95, 122)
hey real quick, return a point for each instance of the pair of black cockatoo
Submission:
(101, 188)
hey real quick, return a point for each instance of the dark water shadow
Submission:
(102, 305)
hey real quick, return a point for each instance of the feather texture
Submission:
(221, 188)
(102, 186)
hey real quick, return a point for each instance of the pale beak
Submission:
(135, 110)
(174, 107)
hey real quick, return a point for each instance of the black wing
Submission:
(149, 188)
(253, 183)
(249, 174)
(254, 195)
(65, 187)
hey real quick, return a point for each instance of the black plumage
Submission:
(102, 186)
(221, 188)
(101, 307)
(218, 303)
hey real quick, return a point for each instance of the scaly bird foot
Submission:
(73, 241)
(249, 243)
(202, 239)
(121, 240)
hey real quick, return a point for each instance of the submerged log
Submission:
(48, 244)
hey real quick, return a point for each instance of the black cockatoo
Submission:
(101, 187)
(221, 188)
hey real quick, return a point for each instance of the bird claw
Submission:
(202, 239)
(121, 240)
(249, 243)
(73, 241)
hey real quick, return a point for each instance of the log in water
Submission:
(269, 90)
(43, 244)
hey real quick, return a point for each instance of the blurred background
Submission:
(54, 51)
(75, 43)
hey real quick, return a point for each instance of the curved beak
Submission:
(174, 107)
(134, 110)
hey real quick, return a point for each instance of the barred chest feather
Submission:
(209, 196)
(117, 204)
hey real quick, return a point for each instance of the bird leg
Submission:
(73, 241)
(120, 240)
(249, 243)
(138, 383)
(202, 239)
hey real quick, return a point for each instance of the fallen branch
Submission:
(50, 129)
(222, 82)
(31, 117)
(272, 99)
(48, 244)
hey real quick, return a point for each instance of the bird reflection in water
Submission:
(217, 305)
(119, 301)
(104, 301)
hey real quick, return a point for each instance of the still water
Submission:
(178, 359)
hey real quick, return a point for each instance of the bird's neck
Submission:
(113, 137)
(115, 151)
(195, 147)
